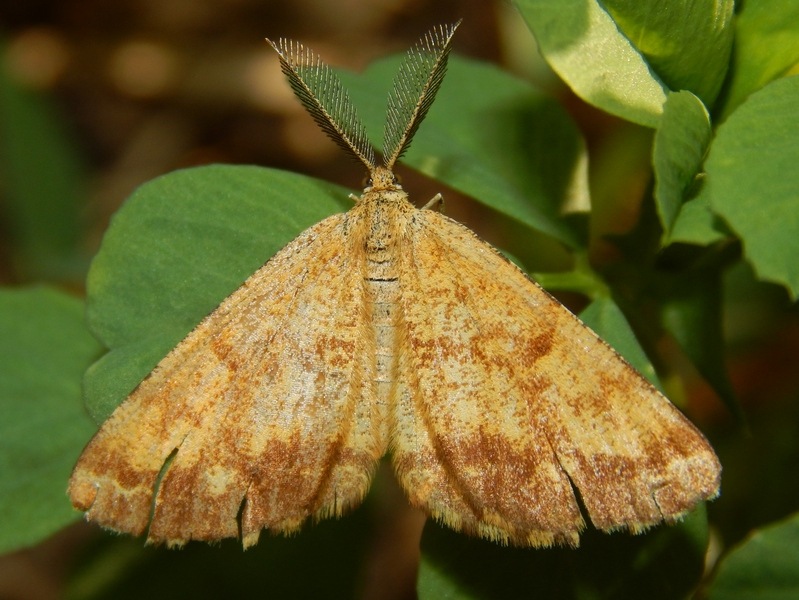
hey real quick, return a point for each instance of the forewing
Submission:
(509, 406)
(257, 419)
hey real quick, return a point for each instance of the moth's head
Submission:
(382, 179)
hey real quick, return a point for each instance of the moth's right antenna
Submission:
(414, 90)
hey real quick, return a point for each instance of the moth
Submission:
(390, 329)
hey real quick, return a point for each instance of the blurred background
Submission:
(103, 96)
(97, 97)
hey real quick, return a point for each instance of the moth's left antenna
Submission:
(323, 96)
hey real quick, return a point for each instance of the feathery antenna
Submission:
(323, 96)
(414, 90)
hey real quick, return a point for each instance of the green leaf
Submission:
(44, 349)
(584, 45)
(43, 184)
(766, 47)
(179, 246)
(752, 180)
(696, 223)
(687, 43)
(582, 279)
(692, 312)
(605, 317)
(679, 149)
(493, 137)
(665, 563)
(764, 567)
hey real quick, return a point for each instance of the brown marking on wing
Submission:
(507, 400)
(258, 408)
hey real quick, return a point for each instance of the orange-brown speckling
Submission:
(393, 329)
(497, 401)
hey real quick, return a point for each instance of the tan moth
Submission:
(390, 329)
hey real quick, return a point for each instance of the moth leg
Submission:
(436, 202)
(354, 197)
